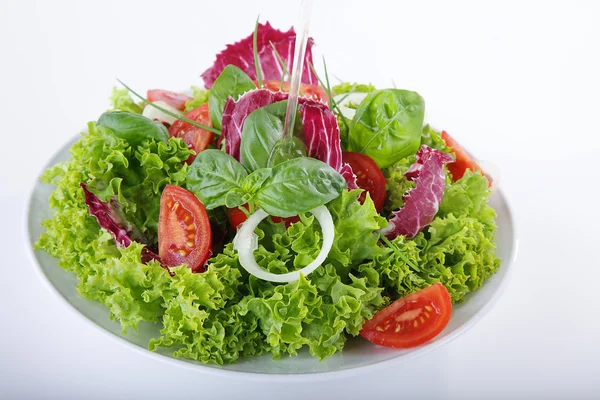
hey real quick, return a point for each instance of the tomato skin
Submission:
(197, 139)
(412, 320)
(176, 100)
(313, 92)
(368, 177)
(237, 216)
(184, 232)
(463, 160)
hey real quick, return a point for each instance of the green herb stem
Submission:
(332, 104)
(283, 66)
(397, 251)
(179, 117)
(256, 58)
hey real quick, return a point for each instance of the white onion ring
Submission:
(245, 243)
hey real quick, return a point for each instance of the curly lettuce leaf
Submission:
(317, 312)
(199, 97)
(120, 100)
(134, 176)
(347, 87)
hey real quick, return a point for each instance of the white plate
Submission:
(357, 353)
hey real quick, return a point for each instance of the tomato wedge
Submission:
(237, 216)
(176, 100)
(197, 139)
(184, 234)
(368, 177)
(411, 320)
(463, 160)
(313, 92)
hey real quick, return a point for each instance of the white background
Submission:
(517, 82)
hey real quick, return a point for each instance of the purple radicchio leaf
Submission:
(108, 216)
(241, 54)
(421, 203)
(236, 112)
(321, 130)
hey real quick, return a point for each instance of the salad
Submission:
(172, 210)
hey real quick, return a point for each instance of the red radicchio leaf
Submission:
(235, 113)
(321, 131)
(322, 138)
(421, 204)
(241, 54)
(108, 218)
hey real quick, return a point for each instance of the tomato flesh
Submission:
(463, 160)
(313, 92)
(412, 320)
(176, 100)
(197, 139)
(184, 234)
(368, 177)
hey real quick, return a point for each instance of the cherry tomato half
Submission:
(411, 320)
(463, 160)
(176, 100)
(368, 177)
(197, 139)
(313, 92)
(184, 234)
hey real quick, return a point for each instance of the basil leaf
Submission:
(132, 127)
(262, 129)
(212, 175)
(231, 82)
(387, 126)
(299, 185)
(236, 197)
(255, 180)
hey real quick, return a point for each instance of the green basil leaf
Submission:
(232, 82)
(262, 129)
(299, 185)
(132, 127)
(387, 126)
(212, 175)
(236, 197)
(255, 180)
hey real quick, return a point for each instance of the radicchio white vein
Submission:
(421, 203)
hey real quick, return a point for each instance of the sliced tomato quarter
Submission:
(175, 100)
(368, 177)
(184, 234)
(197, 139)
(463, 160)
(412, 320)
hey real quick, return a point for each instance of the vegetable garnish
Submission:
(197, 139)
(184, 235)
(109, 218)
(245, 242)
(255, 54)
(463, 161)
(176, 116)
(411, 320)
(271, 256)
(241, 54)
(173, 99)
(421, 203)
